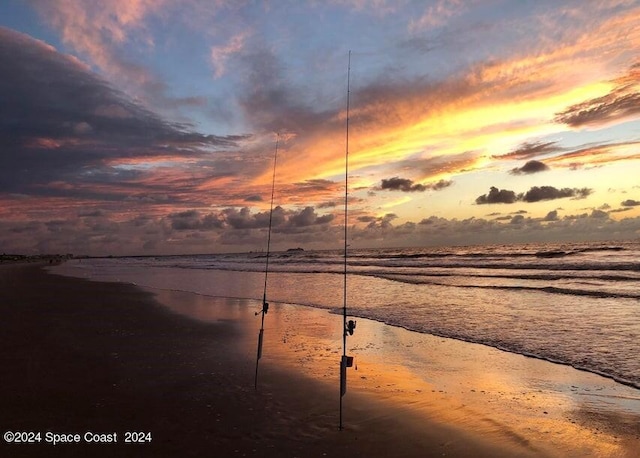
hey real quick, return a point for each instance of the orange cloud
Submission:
(493, 108)
(597, 155)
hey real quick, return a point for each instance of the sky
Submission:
(144, 127)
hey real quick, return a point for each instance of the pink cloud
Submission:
(438, 14)
(220, 54)
(95, 30)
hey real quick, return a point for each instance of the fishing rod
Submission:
(348, 327)
(265, 304)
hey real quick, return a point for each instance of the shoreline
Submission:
(554, 406)
(106, 356)
(567, 338)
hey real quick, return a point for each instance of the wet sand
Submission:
(81, 356)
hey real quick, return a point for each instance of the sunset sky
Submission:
(149, 126)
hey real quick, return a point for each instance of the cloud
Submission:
(552, 216)
(621, 210)
(315, 186)
(630, 203)
(599, 214)
(220, 54)
(400, 184)
(192, 220)
(308, 217)
(622, 103)
(438, 14)
(60, 122)
(535, 194)
(602, 110)
(438, 231)
(379, 222)
(194, 231)
(106, 32)
(329, 204)
(272, 103)
(529, 150)
(538, 193)
(433, 167)
(407, 185)
(497, 196)
(244, 218)
(440, 185)
(596, 155)
(530, 167)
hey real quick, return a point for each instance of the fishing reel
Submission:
(350, 327)
(265, 309)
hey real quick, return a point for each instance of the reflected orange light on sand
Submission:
(452, 382)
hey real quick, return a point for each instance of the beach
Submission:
(174, 371)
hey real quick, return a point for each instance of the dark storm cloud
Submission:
(622, 102)
(529, 150)
(630, 203)
(57, 118)
(497, 196)
(530, 167)
(538, 193)
(406, 185)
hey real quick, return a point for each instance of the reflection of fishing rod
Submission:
(265, 305)
(347, 327)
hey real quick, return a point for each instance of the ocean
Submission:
(576, 304)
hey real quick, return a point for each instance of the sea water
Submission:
(574, 304)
